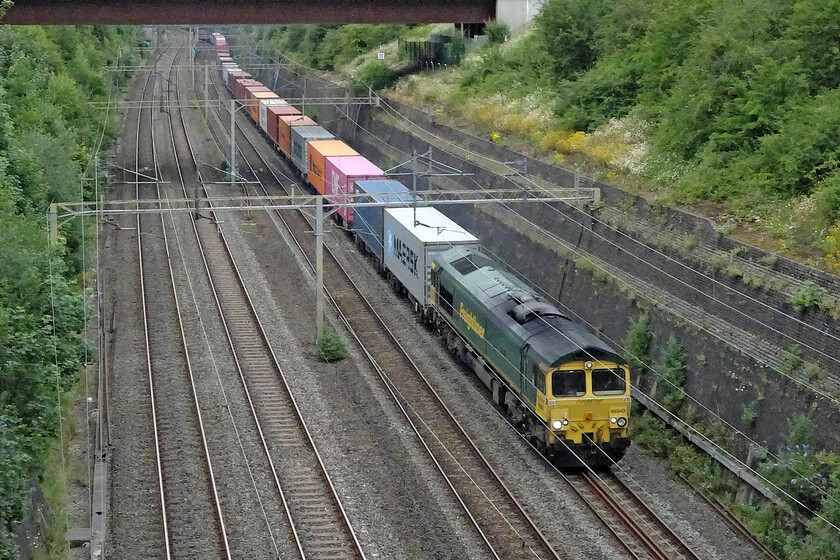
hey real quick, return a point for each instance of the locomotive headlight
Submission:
(565, 421)
(622, 422)
(588, 365)
(612, 420)
(557, 424)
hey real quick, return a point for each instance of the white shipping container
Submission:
(264, 103)
(413, 236)
(226, 69)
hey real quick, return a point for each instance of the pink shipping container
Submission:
(339, 174)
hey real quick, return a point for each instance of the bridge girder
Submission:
(219, 12)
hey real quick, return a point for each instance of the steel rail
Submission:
(197, 404)
(640, 534)
(304, 543)
(651, 533)
(236, 358)
(684, 549)
(144, 306)
(541, 541)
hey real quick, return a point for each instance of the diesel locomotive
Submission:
(560, 385)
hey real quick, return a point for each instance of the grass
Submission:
(58, 478)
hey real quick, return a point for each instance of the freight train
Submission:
(563, 388)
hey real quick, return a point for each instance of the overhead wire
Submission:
(611, 273)
(669, 412)
(659, 375)
(649, 367)
(393, 112)
(215, 365)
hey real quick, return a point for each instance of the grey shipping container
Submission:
(413, 236)
(368, 220)
(301, 135)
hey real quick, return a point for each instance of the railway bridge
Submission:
(217, 12)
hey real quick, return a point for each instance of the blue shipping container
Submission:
(368, 219)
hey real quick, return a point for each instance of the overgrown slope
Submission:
(692, 102)
(48, 133)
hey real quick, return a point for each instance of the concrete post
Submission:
(319, 267)
(53, 224)
(206, 96)
(192, 57)
(232, 141)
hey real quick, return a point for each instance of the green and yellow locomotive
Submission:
(560, 385)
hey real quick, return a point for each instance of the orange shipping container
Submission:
(254, 102)
(284, 130)
(317, 153)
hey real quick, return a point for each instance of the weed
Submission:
(769, 260)
(637, 345)
(726, 228)
(755, 281)
(718, 261)
(331, 347)
(810, 295)
(813, 371)
(791, 360)
(748, 415)
(735, 271)
(688, 244)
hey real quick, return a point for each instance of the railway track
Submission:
(317, 519)
(505, 526)
(640, 530)
(642, 533)
(192, 528)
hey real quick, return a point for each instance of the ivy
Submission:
(47, 132)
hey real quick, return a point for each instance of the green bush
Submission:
(496, 32)
(671, 368)
(377, 75)
(810, 295)
(748, 415)
(637, 344)
(791, 360)
(331, 347)
(48, 131)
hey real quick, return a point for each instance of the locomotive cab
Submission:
(588, 412)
